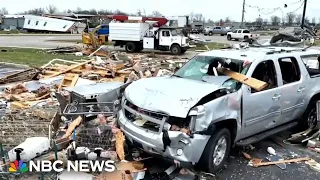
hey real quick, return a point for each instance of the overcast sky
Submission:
(209, 8)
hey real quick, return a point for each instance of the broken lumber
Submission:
(120, 144)
(69, 80)
(252, 82)
(72, 126)
(68, 69)
(258, 164)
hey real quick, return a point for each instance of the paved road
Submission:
(237, 167)
(43, 41)
(36, 41)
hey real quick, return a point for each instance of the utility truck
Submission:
(136, 36)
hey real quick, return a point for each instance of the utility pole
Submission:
(304, 13)
(243, 6)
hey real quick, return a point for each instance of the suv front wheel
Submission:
(217, 150)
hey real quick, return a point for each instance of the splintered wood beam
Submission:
(68, 69)
(252, 82)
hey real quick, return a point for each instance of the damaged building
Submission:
(32, 23)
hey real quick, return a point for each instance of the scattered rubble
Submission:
(50, 102)
(72, 105)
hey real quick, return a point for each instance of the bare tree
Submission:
(313, 20)
(298, 19)
(210, 21)
(290, 18)
(52, 9)
(118, 12)
(139, 13)
(221, 22)
(307, 20)
(191, 16)
(275, 20)
(3, 11)
(283, 21)
(198, 17)
(156, 14)
(227, 20)
(259, 21)
(35, 11)
(78, 9)
(265, 22)
(93, 12)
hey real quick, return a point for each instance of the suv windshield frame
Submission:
(198, 67)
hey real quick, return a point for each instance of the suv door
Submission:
(261, 109)
(293, 87)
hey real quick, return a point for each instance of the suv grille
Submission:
(148, 125)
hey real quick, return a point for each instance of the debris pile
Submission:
(59, 103)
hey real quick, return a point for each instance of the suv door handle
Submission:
(276, 96)
(300, 89)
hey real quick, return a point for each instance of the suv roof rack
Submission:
(287, 50)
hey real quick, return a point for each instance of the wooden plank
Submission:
(69, 80)
(281, 161)
(252, 82)
(69, 69)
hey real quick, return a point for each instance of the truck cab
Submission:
(166, 39)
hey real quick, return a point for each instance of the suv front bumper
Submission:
(182, 148)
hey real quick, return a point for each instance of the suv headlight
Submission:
(197, 110)
(194, 112)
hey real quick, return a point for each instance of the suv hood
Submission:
(170, 95)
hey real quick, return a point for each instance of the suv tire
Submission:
(131, 47)
(175, 49)
(246, 39)
(216, 151)
(309, 117)
(210, 33)
(229, 37)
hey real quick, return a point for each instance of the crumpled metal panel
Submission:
(222, 108)
(152, 142)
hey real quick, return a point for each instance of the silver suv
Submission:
(198, 114)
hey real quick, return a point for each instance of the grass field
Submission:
(211, 46)
(34, 57)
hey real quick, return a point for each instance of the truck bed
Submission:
(127, 31)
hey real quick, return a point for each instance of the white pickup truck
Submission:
(243, 34)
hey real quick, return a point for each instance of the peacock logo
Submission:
(18, 167)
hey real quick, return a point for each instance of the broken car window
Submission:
(265, 71)
(200, 66)
(289, 69)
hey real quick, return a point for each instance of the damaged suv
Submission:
(196, 115)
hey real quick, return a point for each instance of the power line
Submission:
(269, 11)
(297, 8)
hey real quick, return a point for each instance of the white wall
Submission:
(46, 23)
